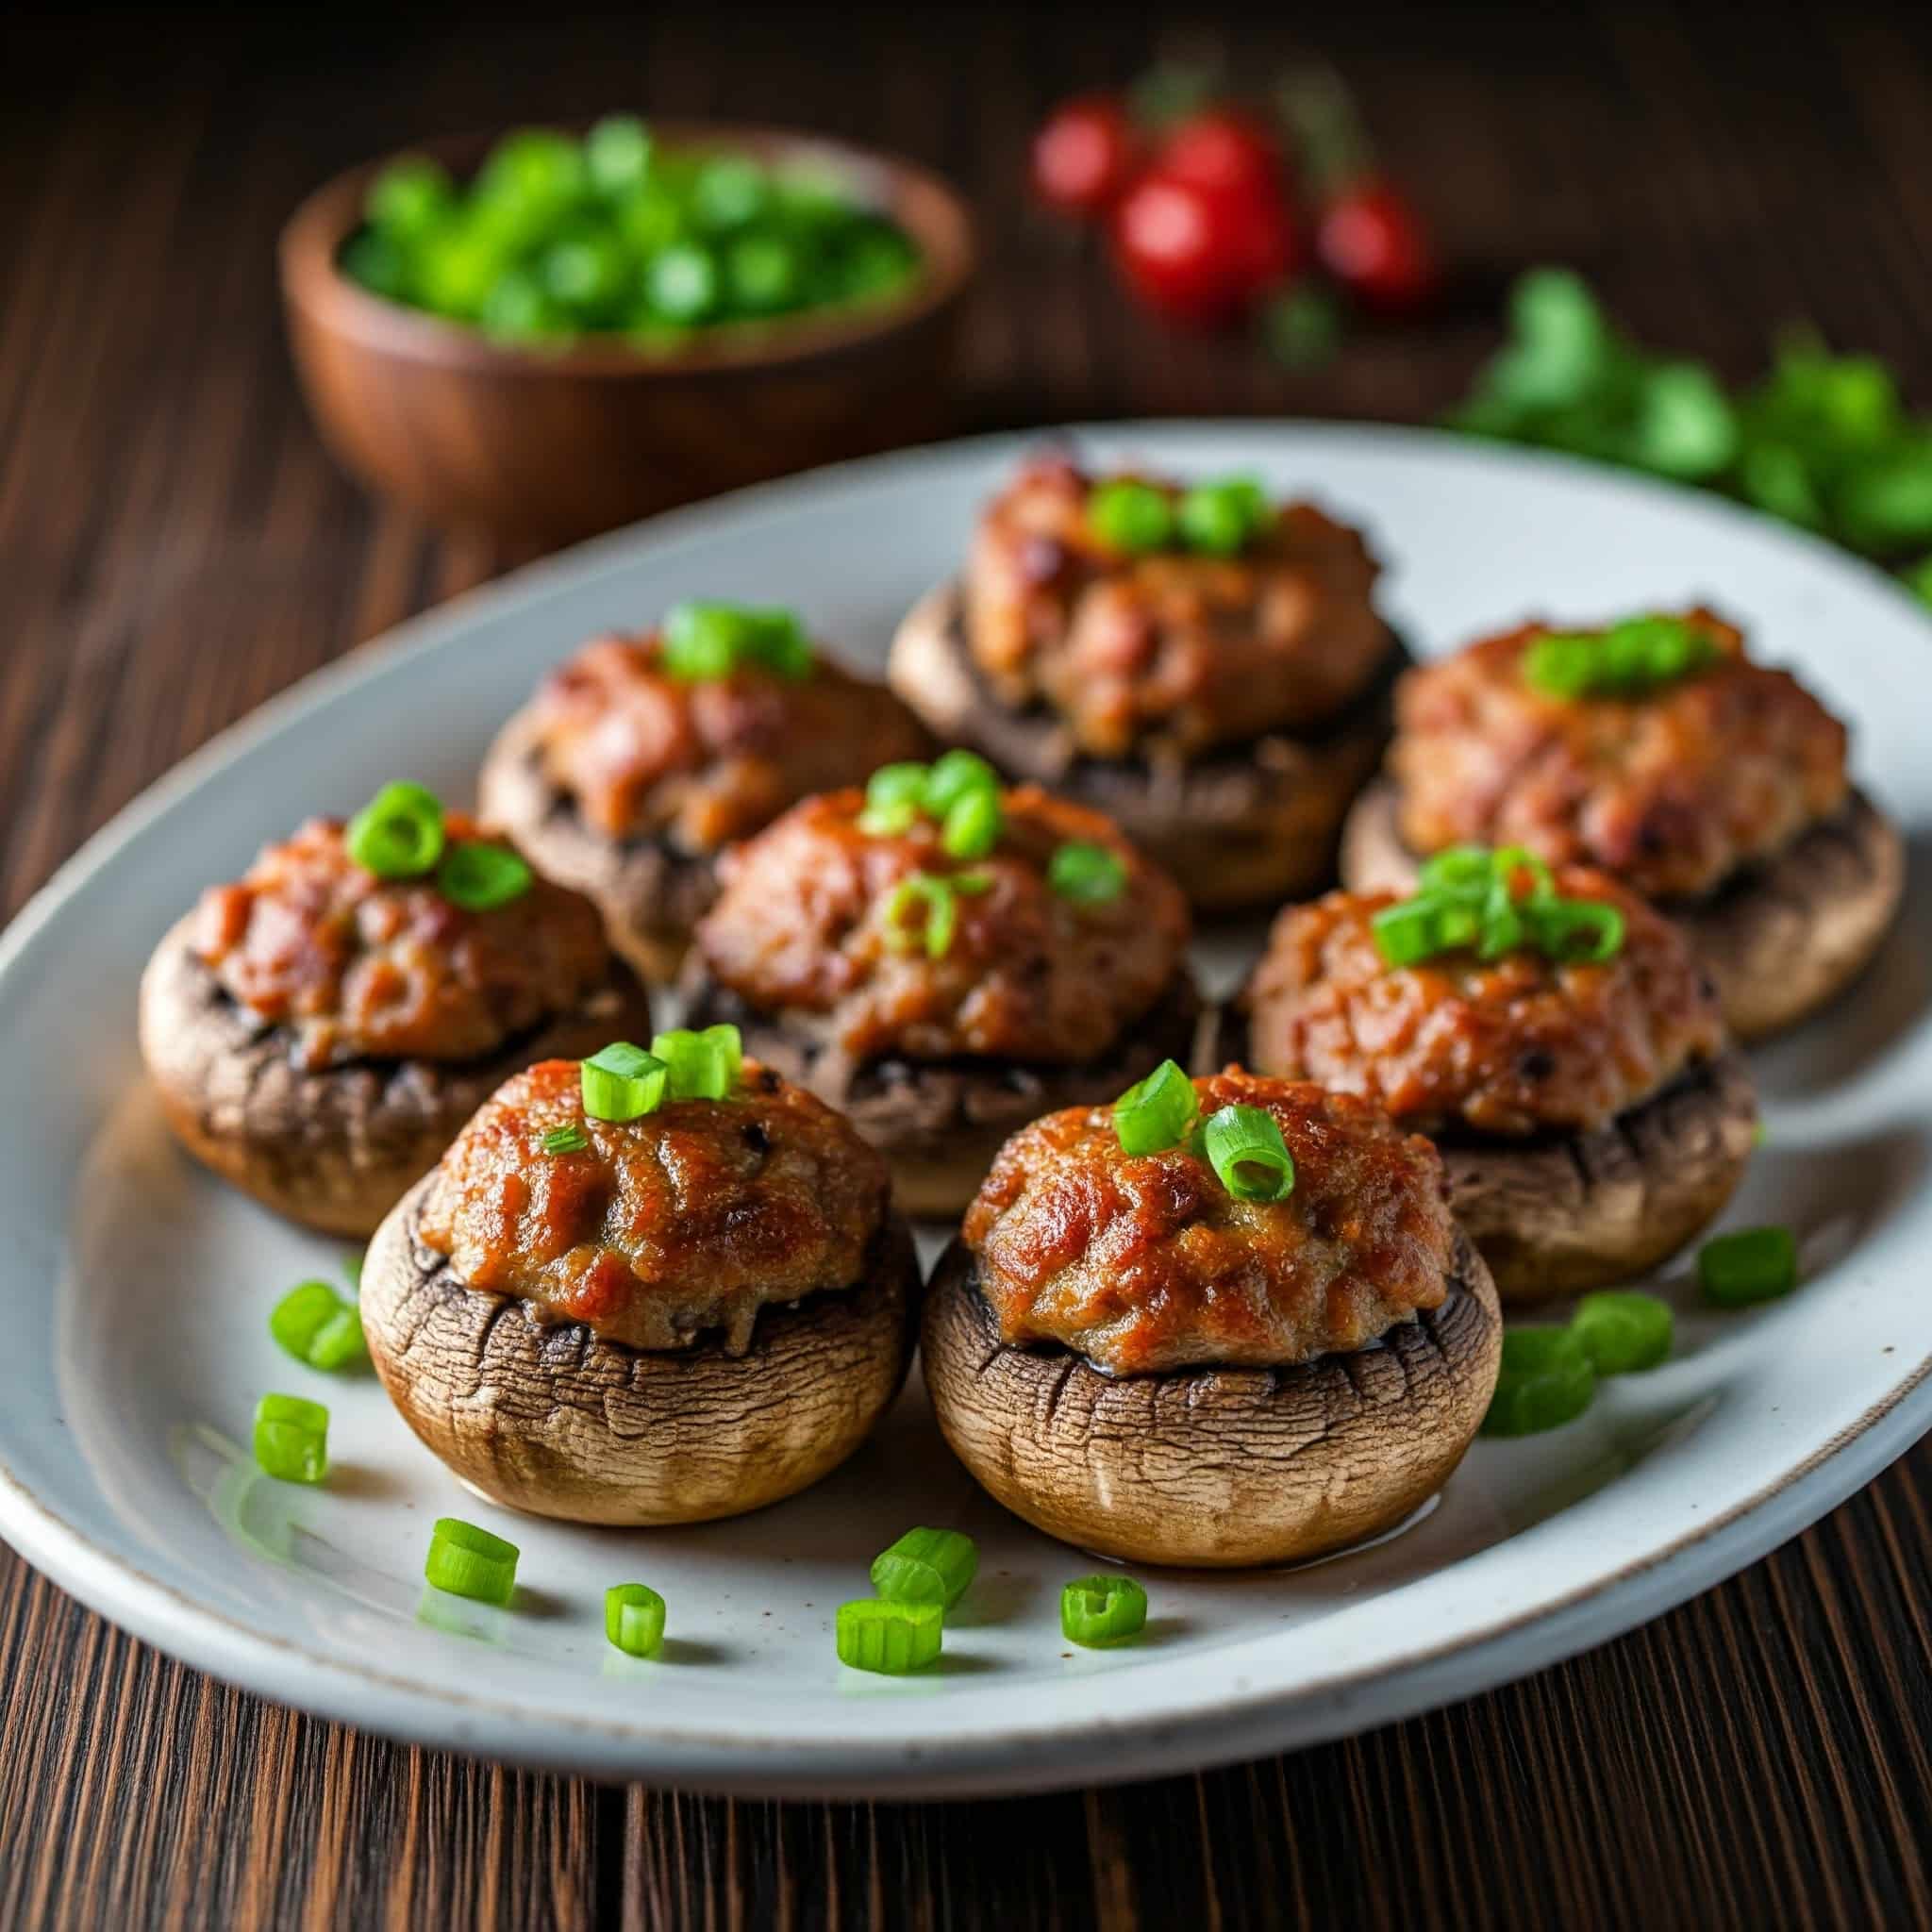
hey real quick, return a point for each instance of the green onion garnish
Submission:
(634, 1619)
(1755, 1264)
(1089, 874)
(1547, 1380)
(623, 1082)
(953, 775)
(960, 793)
(1099, 1611)
(1636, 656)
(1583, 930)
(926, 1566)
(339, 1343)
(1622, 1330)
(907, 923)
(318, 1327)
(1468, 896)
(1221, 518)
(479, 877)
(1130, 516)
(894, 797)
(1245, 1149)
(702, 642)
(1155, 1113)
(891, 1637)
(703, 1066)
(398, 834)
(567, 1138)
(468, 1561)
(972, 827)
(292, 1439)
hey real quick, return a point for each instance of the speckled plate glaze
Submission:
(134, 1290)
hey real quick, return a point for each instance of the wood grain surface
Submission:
(174, 548)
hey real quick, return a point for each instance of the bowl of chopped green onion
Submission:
(549, 333)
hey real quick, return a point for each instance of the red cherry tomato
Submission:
(1085, 155)
(1223, 149)
(1201, 255)
(1372, 240)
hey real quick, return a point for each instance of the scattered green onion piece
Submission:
(479, 877)
(1457, 869)
(1155, 1113)
(567, 1138)
(339, 1343)
(894, 796)
(702, 642)
(953, 775)
(301, 1314)
(292, 1439)
(1635, 655)
(941, 912)
(468, 1561)
(1755, 1264)
(1245, 1149)
(1622, 1330)
(1405, 933)
(1130, 516)
(1506, 861)
(969, 885)
(1585, 931)
(1221, 518)
(926, 1566)
(1546, 1381)
(703, 1066)
(634, 1619)
(1099, 1611)
(973, 825)
(890, 1637)
(398, 834)
(1088, 874)
(623, 1082)
(617, 154)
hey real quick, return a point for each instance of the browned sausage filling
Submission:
(1146, 1262)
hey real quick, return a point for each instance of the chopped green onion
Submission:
(1622, 1330)
(1130, 516)
(953, 775)
(1407, 933)
(973, 825)
(1584, 930)
(1562, 666)
(1245, 1149)
(1222, 517)
(623, 1082)
(567, 1138)
(891, 1637)
(1633, 656)
(1547, 1380)
(292, 1439)
(1457, 869)
(468, 1561)
(1755, 1264)
(398, 834)
(703, 1066)
(480, 877)
(634, 1619)
(301, 1314)
(1088, 874)
(1155, 1113)
(941, 913)
(705, 642)
(969, 885)
(339, 1343)
(894, 796)
(926, 1566)
(1099, 1611)
(1467, 896)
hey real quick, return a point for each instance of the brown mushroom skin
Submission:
(1782, 940)
(1242, 827)
(333, 1148)
(1213, 1468)
(556, 1420)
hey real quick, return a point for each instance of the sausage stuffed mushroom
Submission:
(941, 959)
(642, 758)
(1557, 1039)
(1229, 1322)
(320, 1028)
(1657, 750)
(1205, 667)
(649, 1288)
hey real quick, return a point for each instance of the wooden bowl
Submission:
(556, 443)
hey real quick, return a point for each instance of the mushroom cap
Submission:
(1213, 1468)
(1780, 941)
(556, 1420)
(650, 891)
(1252, 824)
(334, 1148)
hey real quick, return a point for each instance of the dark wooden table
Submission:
(174, 548)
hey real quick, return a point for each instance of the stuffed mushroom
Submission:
(942, 959)
(1205, 667)
(642, 758)
(1258, 1337)
(628, 1297)
(320, 1028)
(1659, 751)
(1557, 1039)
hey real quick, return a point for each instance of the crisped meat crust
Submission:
(642, 754)
(1672, 790)
(1144, 1263)
(688, 1220)
(362, 968)
(1171, 652)
(801, 931)
(1514, 1045)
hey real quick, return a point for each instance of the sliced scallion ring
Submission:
(926, 1566)
(1155, 1113)
(292, 1439)
(922, 906)
(890, 1637)
(953, 775)
(479, 877)
(634, 1619)
(398, 834)
(1244, 1147)
(894, 796)
(973, 825)
(1754, 1264)
(703, 1066)
(1098, 1611)
(1088, 874)
(623, 1082)
(468, 1561)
